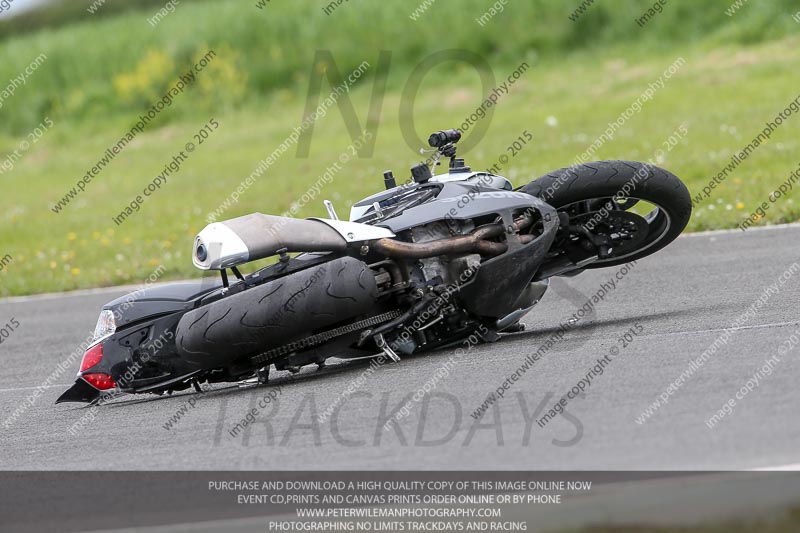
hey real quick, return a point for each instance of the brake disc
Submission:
(624, 230)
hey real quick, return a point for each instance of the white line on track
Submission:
(82, 292)
(733, 330)
(781, 468)
(34, 388)
(738, 231)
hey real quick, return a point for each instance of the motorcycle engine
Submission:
(439, 318)
(449, 269)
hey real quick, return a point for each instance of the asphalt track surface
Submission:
(682, 298)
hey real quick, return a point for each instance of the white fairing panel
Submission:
(223, 248)
(355, 232)
(458, 176)
(358, 211)
(484, 178)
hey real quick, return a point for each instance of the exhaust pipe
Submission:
(474, 242)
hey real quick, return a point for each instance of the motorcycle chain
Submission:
(325, 336)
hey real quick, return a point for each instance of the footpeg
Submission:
(381, 342)
(261, 378)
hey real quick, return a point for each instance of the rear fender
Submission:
(140, 354)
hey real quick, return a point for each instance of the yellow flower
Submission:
(224, 80)
(53, 264)
(95, 235)
(71, 236)
(739, 205)
(153, 262)
(148, 78)
(75, 271)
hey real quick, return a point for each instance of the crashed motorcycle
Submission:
(418, 266)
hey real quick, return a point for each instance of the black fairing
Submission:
(139, 358)
(500, 281)
(159, 300)
(80, 392)
(141, 354)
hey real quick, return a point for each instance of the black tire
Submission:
(605, 179)
(276, 313)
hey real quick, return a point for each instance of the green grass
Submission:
(275, 45)
(723, 94)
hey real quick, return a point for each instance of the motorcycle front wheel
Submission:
(633, 209)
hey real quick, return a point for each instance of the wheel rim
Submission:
(653, 216)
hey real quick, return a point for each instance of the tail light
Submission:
(100, 381)
(92, 356)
